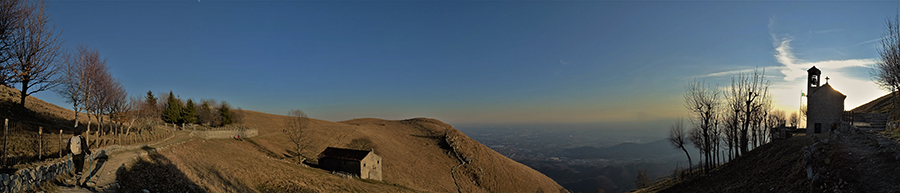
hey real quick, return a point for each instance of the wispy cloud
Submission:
(859, 89)
(828, 31)
(794, 68)
(870, 41)
(726, 73)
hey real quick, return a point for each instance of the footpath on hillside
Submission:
(102, 176)
(874, 161)
(849, 160)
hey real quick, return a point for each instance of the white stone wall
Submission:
(370, 167)
(244, 133)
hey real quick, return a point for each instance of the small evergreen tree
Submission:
(150, 99)
(172, 114)
(190, 112)
(149, 109)
(225, 112)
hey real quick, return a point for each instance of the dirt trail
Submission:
(102, 175)
(874, 160)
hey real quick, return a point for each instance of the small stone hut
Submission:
(363, 163)
(825, 105)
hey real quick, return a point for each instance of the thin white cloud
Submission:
(794, 68)
(870, 41)
(787, 91)
(829, 31)
(726, 73)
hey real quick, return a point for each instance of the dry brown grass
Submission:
(24, 141)
(416, 158)
(419, 155)
(774, 167)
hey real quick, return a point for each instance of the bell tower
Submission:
(813, 79)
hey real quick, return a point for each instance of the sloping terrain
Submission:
(418, 155)
(774, 167)
(854, 161)
(880, 105)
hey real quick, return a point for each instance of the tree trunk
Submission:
(23, 94)
(87, 134)
(76, 116)
(690, 164)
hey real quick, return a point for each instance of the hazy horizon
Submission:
(474, 62)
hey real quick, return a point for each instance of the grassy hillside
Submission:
(419, 155)
(851, 161)
(880, 105)
(774, 167)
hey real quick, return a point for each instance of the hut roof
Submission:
(344, 154)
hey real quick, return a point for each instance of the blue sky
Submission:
(472, 61)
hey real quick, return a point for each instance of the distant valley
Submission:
(585, 158)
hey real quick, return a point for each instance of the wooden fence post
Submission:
(5, 139)
(60, 143)
(40, 142)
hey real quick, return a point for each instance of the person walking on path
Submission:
(78, 147)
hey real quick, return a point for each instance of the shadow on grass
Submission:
(157, 174)
(439, 139)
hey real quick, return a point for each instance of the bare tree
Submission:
(730, 133)
(803, 111)
(703, 102)
(147, 111)
(206, 113)
(733, 107)
(678, 136)
(777, 118)
(36, 53)
(714, 136)
(795, 119)
(93, 68)
(10, 12)
(695, 135)
(886, 72)
(117, 104)
(98, 98)
(135, 112)
(74, 80)
(752, 91)
(294, 127)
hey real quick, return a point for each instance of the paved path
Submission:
(102, 177)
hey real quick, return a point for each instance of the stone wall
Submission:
(28, 178)
(244, 133)
(25, 179)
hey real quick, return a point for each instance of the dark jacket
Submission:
(84, 146)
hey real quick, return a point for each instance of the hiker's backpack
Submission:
(75, 145)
